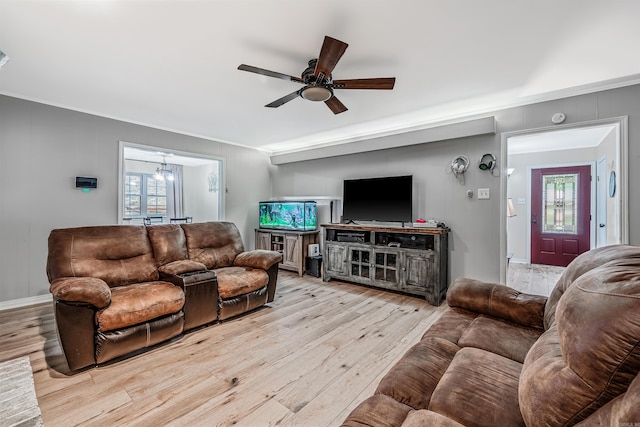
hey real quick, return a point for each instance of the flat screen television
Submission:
(387, 199)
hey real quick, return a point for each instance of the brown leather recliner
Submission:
(107, 296)
(246, 280)
(501, 357)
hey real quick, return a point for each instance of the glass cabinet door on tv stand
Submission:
(368, 265)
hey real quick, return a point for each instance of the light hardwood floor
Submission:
(533, 278)
(307, 359)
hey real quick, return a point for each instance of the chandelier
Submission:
(162, 172)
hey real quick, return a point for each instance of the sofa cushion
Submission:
(378, 411)
(500, 337)
(168, 242)
(479, 388)
(622, 411)
(451, 325)
(234, 281)
(215, 244)
(583, 264)
(118, 254)
(138, 303)
(591, 353)
(414, 377)
(423, 417)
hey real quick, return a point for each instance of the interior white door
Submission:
(601, 202)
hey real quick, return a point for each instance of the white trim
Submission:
(601, 166)
(25, 302)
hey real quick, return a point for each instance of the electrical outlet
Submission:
(484, 193)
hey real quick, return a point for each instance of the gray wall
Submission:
(42, 149)
(475, 224)
(199, 203)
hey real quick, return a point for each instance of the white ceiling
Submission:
(173, 64)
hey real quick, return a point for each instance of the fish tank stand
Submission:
(293, 245)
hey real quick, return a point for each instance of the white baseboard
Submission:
(519, 261)
(25, 302)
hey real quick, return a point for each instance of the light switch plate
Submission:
(484, 193)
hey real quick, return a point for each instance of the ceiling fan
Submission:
(318, 81)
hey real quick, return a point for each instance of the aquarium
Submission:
(289, 215)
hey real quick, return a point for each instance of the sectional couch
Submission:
(120, 289)
(498, 357)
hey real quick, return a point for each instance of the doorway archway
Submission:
(587, 142)
(201, 185)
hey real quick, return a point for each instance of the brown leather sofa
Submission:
(123, 288)
(498, 357)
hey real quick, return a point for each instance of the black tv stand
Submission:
(410, 260)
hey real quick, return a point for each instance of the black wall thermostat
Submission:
(83, 182)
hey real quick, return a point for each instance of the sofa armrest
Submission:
(258, 258)
(498, 301)
(89, 290)
(180, 267)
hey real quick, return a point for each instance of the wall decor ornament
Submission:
(612, 183)
(213, 182)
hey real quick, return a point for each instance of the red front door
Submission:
(560, 214)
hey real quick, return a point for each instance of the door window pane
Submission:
(560, 203)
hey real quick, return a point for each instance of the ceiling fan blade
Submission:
(331, 52)
(262, 71)
(383, 83)
(283, 100)
(335, 105)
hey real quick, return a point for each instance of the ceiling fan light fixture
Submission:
(316, 93)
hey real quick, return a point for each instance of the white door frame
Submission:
(621, 162)
(602, 185)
